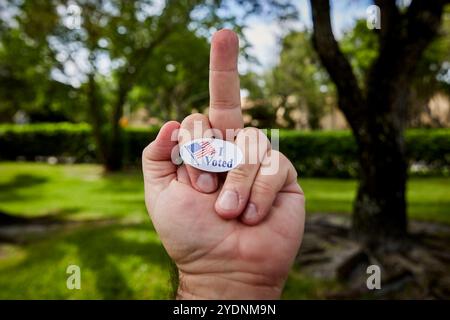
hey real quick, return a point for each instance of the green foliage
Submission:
(26, 64)
(182, 81)
(59, 139)
(137, 140)
(299, 82)
(430, 148)
(360, 45)
(434, 68)
(334, 153)
(323, 154)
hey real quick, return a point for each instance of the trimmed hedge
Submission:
(334, 153)
(65, 141)
(136, 140)
(323, 153)
(62, 140)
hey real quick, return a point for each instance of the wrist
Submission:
(220, 287)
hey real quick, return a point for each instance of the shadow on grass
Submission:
(9, 190)
(94, 252)
(110, 253)
(55, 217)
(119, 183)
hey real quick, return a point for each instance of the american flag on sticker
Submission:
(201, 149)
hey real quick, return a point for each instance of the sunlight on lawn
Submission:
(123, 257)
(116, 261)
(75, 192)
(83, 191)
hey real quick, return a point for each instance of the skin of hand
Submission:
(232, 236)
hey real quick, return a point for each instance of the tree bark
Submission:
(114, 159)
(377, 115)
(132, 72)
(97, 118)
(379, 214)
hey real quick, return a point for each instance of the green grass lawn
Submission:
(124, 258)
(428, 198)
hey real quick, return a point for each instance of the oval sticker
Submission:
(213, 155)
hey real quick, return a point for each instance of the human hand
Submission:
(232, 236)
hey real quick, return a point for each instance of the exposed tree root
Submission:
(420, 270)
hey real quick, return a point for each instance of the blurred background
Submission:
(85, 85)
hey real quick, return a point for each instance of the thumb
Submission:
(157, 165)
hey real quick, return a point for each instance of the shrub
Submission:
(322, 153)
(136, 140)
(63, 140)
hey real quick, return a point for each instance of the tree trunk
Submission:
(114, 157)
(379, 215)
(108, 140)
(377, 115)
(97, 118)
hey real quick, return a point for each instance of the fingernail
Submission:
(206, 183)
(228, 200)
(250, 214)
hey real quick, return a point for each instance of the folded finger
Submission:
(267, 185)
(238, 183)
